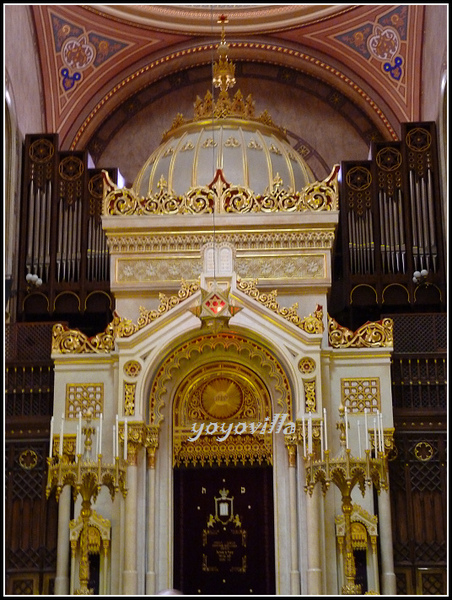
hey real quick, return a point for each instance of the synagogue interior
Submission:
(225, 254)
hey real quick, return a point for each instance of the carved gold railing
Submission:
(221, 197)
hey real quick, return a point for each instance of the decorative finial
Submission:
(223, 70)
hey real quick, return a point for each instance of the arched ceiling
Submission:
(98, 59)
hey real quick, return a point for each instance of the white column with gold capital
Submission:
(314, 534)
(130, 573)
(388, 578)
(150, 568)
(62, 568)
(294, 569)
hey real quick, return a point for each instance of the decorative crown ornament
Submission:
(225, 106)
(223, 70)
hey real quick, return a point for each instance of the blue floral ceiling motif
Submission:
(381, 40)
(79, 50)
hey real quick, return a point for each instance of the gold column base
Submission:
(351, 589)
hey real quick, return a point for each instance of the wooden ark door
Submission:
(223, 530)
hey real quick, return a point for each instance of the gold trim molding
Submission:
(311, 239)
(72, 341)
(312, 324)
(376, 334)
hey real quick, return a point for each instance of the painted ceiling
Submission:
(94, 58)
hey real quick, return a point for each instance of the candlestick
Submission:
(117, 437)
(346, 471)
(61, 435)
(86, 477)
(51, 438)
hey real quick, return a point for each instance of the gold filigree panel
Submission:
(310, 398)
(81, 397)
(158, 269)
(282, 267)
(361, 393)
(241, 449)
(129, 399)
(376, 334)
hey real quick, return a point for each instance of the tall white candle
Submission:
(304, 436)
(382, 447)
(346, 427)
(117, 437)
(375, 437)
(79, 447)
(366, 431)
(359, 439)
(61, 434)
(51, 438)
(100, 434)
(114, 442)
(125, 438)
(321, 444)
(310, 434)
(325, 427)
(97, 440)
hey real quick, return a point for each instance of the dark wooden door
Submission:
(223, 531)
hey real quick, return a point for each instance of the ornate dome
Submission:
(225, 159)
(250, 151)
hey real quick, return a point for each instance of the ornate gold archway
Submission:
(222, 378)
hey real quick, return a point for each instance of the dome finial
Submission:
(223, 70)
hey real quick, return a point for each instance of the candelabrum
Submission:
(345, 471)
(86, 477)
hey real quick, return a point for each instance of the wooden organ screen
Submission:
(391, 227)
(418, 464)
(61, 241)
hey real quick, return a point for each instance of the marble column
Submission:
(150, 536)
(388, 578)
(295, 585)
(63, 547)
(314, 551)
(130, 573)
(373, 542)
